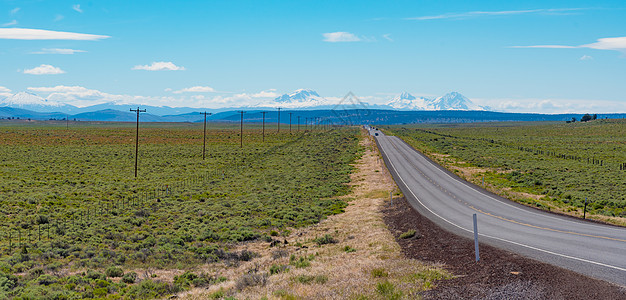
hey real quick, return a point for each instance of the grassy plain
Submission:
(76, 223)
(553, 166)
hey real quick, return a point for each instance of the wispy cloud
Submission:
(58, 51)
(477, 14)
(58, 18)
(159, 66)
(388, 37)
(616, 44)
(586, 57)
(44, 70)
(15, 10)
(41, 34)
(340, 36)
(553, 106)
(14, 22)
(4, 89)
(77, 8)
(195, 89)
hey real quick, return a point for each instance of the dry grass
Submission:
(342, 270)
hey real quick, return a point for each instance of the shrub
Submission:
(46, 279)
(300, 262)
(275, 269)
(379, 272)
(114, 272)
(387, 290)
(91, 274)
(129, 277)
(349, 249)
(250, 280)
(409, 234)
(308, 279)
(326, 239)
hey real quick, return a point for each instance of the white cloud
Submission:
(14, 22)
(77, 95)
(616, 44)
(81, 97)
(40, 34)
(15, 10)
(4, 89)
(586, 57)
(388, 37)
(195, 89)
(58, 51)
(476, 14)
(340, 36)
(77, 8)
(553, 106)
(44, 70)
(59, 18)
(159, 66)
(271, 93)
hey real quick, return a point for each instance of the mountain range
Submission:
(299, 107)
(299, 99)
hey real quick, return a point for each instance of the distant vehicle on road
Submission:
(376, 134)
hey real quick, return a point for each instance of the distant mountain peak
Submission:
(406, 95)
(449, 101)
(301, 98)
(22, 99)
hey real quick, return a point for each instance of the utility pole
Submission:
(279, 119)
(67, 122)
(298, 123)
(290, 122)
(241, 134)
(306, 124)
(137, 138)
(204, 138)
(263, 112)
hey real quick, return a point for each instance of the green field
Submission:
(563, 164)
(70, 202)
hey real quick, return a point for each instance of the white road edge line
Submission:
(513, 206)
(501, 239)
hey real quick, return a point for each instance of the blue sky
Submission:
(521, 56)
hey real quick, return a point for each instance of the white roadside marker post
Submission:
(476, 239)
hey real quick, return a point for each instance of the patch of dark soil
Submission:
(499, 275)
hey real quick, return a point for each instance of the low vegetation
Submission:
(76, 223)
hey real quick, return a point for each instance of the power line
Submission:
(279, 119)
(137, 137)
(204, 138)
(263, 112)
(241, 134)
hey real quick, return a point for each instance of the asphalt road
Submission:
(592, 249)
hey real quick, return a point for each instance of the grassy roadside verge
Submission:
(351, 255)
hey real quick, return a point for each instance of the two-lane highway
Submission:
(592, 249)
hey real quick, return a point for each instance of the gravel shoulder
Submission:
(499, 275)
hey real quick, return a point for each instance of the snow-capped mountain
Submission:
(454, 101)
(450, 101)
(30, 101)
(406, 101)
(301, 98)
